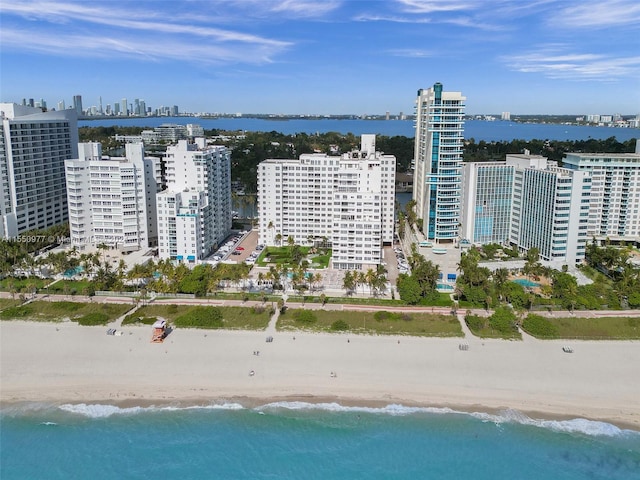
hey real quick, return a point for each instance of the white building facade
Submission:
(614, 209)
(112, 200)
(550, 209)
(346, 200)
(33, 148)
(194, 212)
(527, 201)
(438, 162)
(487, 197)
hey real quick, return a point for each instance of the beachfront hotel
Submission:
(346, 200)
(438, 162)
(112, 200)
(614, 208)
(194, 212)
(33, 147)
(527, 201)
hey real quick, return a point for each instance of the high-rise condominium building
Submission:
(550, 209)
(112, 200)
(33, 148)
(194, 212)
(527, 201)
(77, 105)
(438, 162)
(614, 210)
(487, 197)
(346, 200)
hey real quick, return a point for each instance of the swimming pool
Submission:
(526, 282)
(73, 271)
(443, 287)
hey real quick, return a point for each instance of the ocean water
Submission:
(477, 129)
(305, 441)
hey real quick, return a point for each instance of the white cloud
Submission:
(302, 8)
(65, 33)
(599, 14)
(104, 46)
(554, 63)
(411, 53)
(431, 6)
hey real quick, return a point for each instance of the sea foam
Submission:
(575, 426)
(104, 411)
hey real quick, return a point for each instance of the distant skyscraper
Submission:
(124, 107)
(506, 116)
(61, 105)
(116, 108)
(438, 157)
(77, 104)
(33, 148)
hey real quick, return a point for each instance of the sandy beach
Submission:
(42, 362)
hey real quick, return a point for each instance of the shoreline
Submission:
(505, 414)
(64, 363)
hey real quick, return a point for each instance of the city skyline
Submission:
(334, 57)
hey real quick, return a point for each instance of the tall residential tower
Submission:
(438, 162)
(194, 213)
(346, 200)
(33, 148)
(112, 200)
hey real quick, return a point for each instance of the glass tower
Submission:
(438, 162)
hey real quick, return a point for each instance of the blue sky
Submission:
(324, 57)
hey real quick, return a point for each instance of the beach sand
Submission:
(46, 362)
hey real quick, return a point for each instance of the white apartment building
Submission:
(438, 162)
(614, 208)
(487, 197)
(112, 200)
(33, 148)
(194, 212)
(550, 209)
(527, 201)
(347, 200)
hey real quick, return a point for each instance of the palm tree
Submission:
(500, 277)
(102, 247)
(349, 282)
(317, 279)
(270, 226)
(362, 279)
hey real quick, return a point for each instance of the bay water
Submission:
(476, 129)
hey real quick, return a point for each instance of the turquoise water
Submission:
(304, 441)
(525, 282)
(445, 287)
(73, 271)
